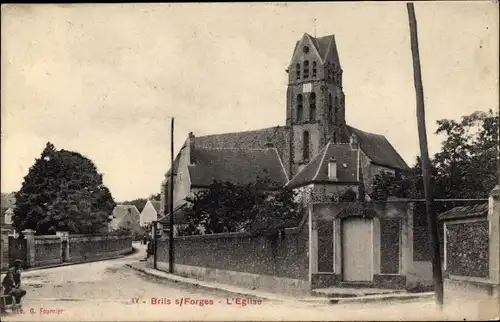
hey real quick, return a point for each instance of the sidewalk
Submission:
(239, 291)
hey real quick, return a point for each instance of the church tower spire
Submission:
(315, 99)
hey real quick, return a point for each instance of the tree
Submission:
(465, 167)
(228, 207)
(63, 191)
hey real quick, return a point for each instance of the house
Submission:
(180, 221)
(8, 201)
(126, 217)
(315, 152)
(150, 212)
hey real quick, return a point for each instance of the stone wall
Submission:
(274, 261)
(57, 249)
(47, 250)
(472, 261)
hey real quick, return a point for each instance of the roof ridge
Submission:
(235, 149)
(238, 132)
(322, 160)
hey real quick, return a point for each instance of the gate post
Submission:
(29, 235)
(5, 249)
(64, 240)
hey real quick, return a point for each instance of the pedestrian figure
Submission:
(145, 239)
(12, 283)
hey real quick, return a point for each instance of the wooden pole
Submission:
(171, 203)
(424, 155)
(155, 243)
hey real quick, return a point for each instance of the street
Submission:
(108, 290)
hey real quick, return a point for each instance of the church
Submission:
(315, 152)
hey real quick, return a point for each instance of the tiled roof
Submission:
(236, 166)
(156, 205)
(256, 139)
(121, 211)
(480, 210)
(317, 169)
(8, 200)
(378, 149)
(179, 216)
(245, 140)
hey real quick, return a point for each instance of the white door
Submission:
(357, 249)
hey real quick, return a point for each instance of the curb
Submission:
(310, 300)
(380, 299)
(201, 286)
(32, 269)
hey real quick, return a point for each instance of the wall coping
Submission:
(47, 237)
(471, 279)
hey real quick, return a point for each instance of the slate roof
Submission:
(480, 210)
(236, 166)
(378, 149)
(322, 44)
(317, 169)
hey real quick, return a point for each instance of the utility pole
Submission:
(155, 243)
(171, 203)
(424, 155)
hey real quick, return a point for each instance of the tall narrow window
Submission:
(330, 109)
(312, 107)
(336, 109)
(314, 69)
(305, 147)
(297, 71)
(300, 108)
(306, 69)
(334, 137)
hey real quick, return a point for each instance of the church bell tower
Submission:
(315, 111)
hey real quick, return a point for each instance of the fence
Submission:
(277, 261)
(40, 251)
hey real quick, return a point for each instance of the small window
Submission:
(297, 71)
(306, 69)
(300, 107)
(314, 69)
(312, 107)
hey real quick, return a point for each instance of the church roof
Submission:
(317, 169)
(322, 45)
(239, 166)
(378, 149)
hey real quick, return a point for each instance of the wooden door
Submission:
(357, 249)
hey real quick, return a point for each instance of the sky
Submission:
(104, 79)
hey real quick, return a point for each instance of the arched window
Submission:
(330, 108)
(314, 69)
(306, 69)
(297, 71)
(300, 108)
(312, 107)
(305, 146)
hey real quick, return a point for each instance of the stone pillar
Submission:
(29, 235)
(337, 235)
(494, 237)
(64, 236)
(5, 248)
(407, 241)
(313, 244)
(376, 246)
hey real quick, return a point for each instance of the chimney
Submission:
(191, 148)
(332, 169)
(353, 142)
